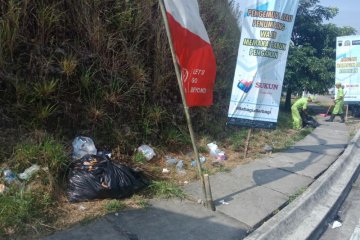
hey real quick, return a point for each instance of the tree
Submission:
(311, 61)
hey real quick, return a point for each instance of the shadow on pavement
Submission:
(153, 223)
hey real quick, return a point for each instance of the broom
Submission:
(327, 113)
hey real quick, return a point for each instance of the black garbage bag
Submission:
(97, 177)
(309, 121)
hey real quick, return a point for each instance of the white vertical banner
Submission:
(348, 66)
(265, 37)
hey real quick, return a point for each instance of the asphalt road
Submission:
(348, 216)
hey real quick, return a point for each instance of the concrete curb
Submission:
(303, 218)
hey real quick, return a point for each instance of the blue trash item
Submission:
(83, 146)
(202, 160)
(9, 176)
(97, 177)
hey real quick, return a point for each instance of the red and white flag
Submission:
(193, 51)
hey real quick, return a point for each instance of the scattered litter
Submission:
(336, 224)
(148, 152)
(2, 188)
(96, 177)
(200, 201)
(165, 170)
(217, 163)
(223, 202)
(104, 153)
(267, 149)
(83, 146)
(180, 167)
(170, 160)
(9, 176)
(216, 152)
(29, 172)
(116, 214)
(82, 208)
(202, 160)
(186, 182)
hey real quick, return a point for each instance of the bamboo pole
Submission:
(186, 108)
(247, 142)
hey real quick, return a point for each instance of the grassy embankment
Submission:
(103, 69)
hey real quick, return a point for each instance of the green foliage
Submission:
(298, 193)
(139, 158)
(43, 150)
(114, 205)
(23, 210)
(311, 61)
(165, 189)
(238, 138)
(105, 68)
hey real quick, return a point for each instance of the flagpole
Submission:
(186, 108)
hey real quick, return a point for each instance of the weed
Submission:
(46, 152)
(139, 158)
(22, 210)
(237, 139)
(69, 65)
(296, 194)
(164, 189)
(114, 205)
(44, 89)
(44, 112)
(176, 136)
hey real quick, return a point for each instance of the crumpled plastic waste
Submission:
(165, 170)
(194, 163)
(9, 176)
(147, 151)
(215, 152)
(336, 224)
(170, 160)
(29, 172)
(180, 168)
(223, 202)
(83, 146)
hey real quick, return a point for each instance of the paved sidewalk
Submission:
(252, 193)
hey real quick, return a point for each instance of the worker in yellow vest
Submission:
(299, 106)
(339, 104)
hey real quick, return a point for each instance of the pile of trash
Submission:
(10, 177)
(217, 155)
(93, 175)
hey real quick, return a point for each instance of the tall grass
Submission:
(103, 68)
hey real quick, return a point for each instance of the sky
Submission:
(348, 15)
